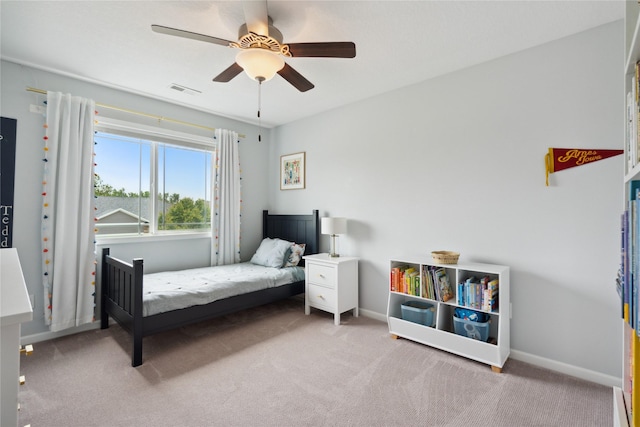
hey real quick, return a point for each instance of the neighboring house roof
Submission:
(120, 215)
(108, 205)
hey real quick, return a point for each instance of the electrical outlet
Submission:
(32, 299)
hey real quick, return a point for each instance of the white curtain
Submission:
(68, 249)
(226, 201)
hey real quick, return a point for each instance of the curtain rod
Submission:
(138, 113)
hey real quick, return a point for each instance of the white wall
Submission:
(15, 103)
(457, 163)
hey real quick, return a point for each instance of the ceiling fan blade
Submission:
(256, 17)
(228, 74)
(189, 35)
(323, 50)
(295, 78)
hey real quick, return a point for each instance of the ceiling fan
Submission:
(262, 51)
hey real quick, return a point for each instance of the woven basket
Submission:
(445, 257)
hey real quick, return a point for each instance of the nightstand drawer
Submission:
(322, 275)
(321, 297)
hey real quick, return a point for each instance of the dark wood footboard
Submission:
(122, 298)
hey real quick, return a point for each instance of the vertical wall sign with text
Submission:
(7, 179)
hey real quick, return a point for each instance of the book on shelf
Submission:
(426, 284)
(623, 272)
(432, 289)
(444, 285)
(470, 293)
(436, 284)
(428, 280)
(412, 280)
(629, 130)
(463, 293)
(632, 134)
(633, 292)
(405, 279)
(480, 294)
(397, 278)
(628, 280)
(490, 296)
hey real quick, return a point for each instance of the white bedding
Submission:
(174, 290)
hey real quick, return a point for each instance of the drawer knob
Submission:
(321, 275)
(321, 296)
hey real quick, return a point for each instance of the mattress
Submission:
(173, 290)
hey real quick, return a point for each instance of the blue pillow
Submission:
(271, 253)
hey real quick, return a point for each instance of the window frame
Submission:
(156, 136)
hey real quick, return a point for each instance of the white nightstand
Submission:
(331, 284)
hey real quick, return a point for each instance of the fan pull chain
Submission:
(260, 80)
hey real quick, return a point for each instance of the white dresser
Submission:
(15, 308)
(331, 284)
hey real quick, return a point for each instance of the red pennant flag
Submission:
(558, 159)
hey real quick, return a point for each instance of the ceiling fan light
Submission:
(260, 63)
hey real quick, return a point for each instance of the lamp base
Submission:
(333, 253)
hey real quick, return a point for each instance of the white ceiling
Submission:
(398, 43)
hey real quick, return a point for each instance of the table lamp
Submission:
(333, 227)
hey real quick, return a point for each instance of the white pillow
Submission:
(271, 252)
(294, 255)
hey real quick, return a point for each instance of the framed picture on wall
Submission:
(292, 174)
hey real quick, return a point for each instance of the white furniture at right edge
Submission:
(494, 352)
(627, 395)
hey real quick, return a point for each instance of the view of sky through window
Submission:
(124, 163)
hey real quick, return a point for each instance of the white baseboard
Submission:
(574, 371)
(48, 335)
(373, 315)
(553, 365)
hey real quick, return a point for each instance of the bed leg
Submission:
(104, 320)
(136, 355)
(104, 317)
(137, 326)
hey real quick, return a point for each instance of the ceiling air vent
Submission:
(184, 89)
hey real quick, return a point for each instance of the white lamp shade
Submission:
(258, 62)
(333, 225)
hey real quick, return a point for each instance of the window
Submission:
(151, 182)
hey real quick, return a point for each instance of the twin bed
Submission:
(169, 301)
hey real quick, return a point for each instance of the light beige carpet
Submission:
(274, 366)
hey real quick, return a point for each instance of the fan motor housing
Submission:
(273, 31)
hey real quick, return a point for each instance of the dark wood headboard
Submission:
(294, 228)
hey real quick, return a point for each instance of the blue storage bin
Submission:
(470, 329)
(419, 312)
